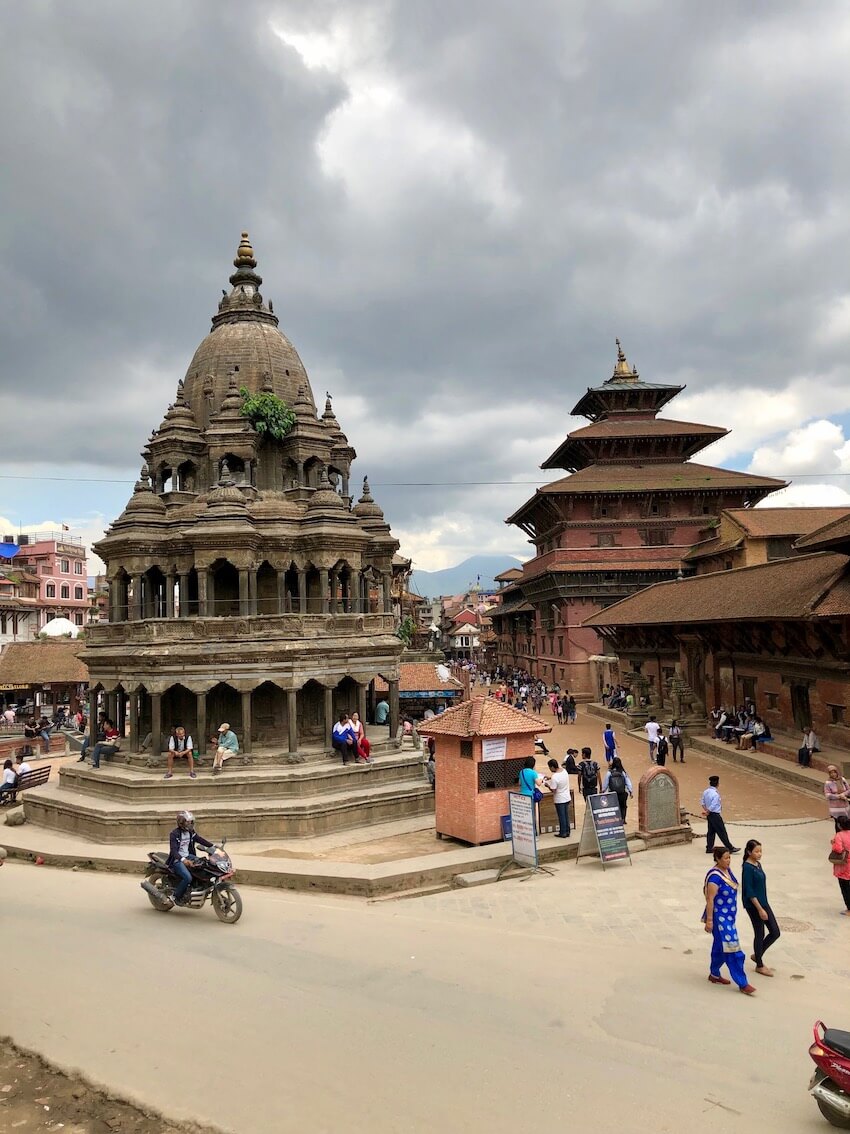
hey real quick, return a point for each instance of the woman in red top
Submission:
(363, 745)
(841, 870)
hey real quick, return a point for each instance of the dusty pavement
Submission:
(577, 999)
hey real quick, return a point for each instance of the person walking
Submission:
(721, 908)
(837, 792)
(677, 740)
(653, 730)
(661, 750)
(839, 856)
(558, 782)
(610, 741)
(572, 711)
(589, 777)
(766, 930)
(617, 780)
(711, 809)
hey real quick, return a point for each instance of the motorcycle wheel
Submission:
(227, 904)
(162, 883)
(833, 1116)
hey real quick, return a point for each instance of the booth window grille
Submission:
(466, 749)
(499, 775)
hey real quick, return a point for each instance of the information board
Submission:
(603, 832)
(523, 833)
(494, 747)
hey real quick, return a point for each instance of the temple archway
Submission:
(311, 716)
(224, 705)
(223, 600)
(269, 717)
(180, 707)
(267, 594)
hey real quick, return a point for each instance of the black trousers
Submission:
(844, 883)
(677, 746)
(765, 933)
(623, 797)
(716, 829)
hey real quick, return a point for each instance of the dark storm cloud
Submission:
(455, 207)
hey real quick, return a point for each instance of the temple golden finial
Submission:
(620, 356)
(622, 368)
(245, 253)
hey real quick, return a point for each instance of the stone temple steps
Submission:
(122, 804)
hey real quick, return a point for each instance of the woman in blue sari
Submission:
(721, 909)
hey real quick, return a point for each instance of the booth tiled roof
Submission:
(414, 676)
(483, 716)
(836, 532)
(804, 586)
(42, 663)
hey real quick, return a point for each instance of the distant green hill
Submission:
(456, 580)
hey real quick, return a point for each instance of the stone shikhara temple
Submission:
(243, 584)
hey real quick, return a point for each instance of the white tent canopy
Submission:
(60, 628)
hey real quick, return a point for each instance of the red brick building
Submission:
(630, 508)
(777, 633)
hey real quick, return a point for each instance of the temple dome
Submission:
(245, 334)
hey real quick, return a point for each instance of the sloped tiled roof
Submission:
(837, 532)
(414, 676)
(40, 663)
(765, 522)
(640, 478)
(803, 586)
(711, 547)
(483, 716)
(509, 576)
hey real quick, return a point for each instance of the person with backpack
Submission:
(589, 777)
(661, 750)
(617, 780)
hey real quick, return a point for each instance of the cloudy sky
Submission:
(455, 208)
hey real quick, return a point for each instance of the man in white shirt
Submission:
(558, 782)
(653, 730)
(21, 765)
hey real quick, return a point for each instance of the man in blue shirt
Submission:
(711, 806)
(382, 711)
(344, 738)
(610, 742)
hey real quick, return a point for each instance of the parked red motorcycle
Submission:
(830, 1083)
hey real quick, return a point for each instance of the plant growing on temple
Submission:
(406, 630)
(267, 413)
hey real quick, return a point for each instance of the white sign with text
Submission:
(523, 829)
(494, 747)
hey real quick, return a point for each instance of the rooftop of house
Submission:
(42, 663)
(483, 716)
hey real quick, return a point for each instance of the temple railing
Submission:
(252, 627)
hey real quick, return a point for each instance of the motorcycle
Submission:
(210, 879)
(830, 1084)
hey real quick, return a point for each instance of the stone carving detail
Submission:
(200, 629)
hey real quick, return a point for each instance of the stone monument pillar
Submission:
(659, 814)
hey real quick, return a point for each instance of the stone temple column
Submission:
(302, 592)
(136, 605)
(244, 593)
(394, 710)
(169, 595)
(329, 716)
(200, 737)
(388, 603)
(246, 721)
(183, 593)
(323, 590)
(282, 604)
(292, 718)
(134, 721)
(361, 701)
(92, 719)
(333, 583)
(203, 576)
(156, 723)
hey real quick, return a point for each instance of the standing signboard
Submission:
(603, 832)
(523, 833)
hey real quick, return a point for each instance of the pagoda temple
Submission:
(632, 505)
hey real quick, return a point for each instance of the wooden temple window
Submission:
(836, 714)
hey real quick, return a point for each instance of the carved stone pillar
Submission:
(200, 737)
(136, 604)
(292, 718)
(329, 716)
(203, 577)
(333, 583)
(134, 722)
(183, 594)
(324, 584)
(394, 712)
(92, 719)
(169, 595)
(302, 592)
(283, 604)
(244, 593)
(361, 701)
(246, 722)
(388, 602)
(346, 592)
(156, 723)
(252, 590)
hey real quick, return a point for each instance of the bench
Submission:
(35, 778)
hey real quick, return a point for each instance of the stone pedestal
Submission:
(659, 813)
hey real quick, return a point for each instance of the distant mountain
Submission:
(456, 580)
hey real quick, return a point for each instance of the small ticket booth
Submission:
(480, 747)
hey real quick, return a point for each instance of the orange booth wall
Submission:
(462, 811)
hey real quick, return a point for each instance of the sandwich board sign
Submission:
(523, 830)
(603, 833)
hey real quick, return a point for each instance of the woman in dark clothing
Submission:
(754, 897)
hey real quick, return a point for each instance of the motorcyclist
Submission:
(181, 854)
